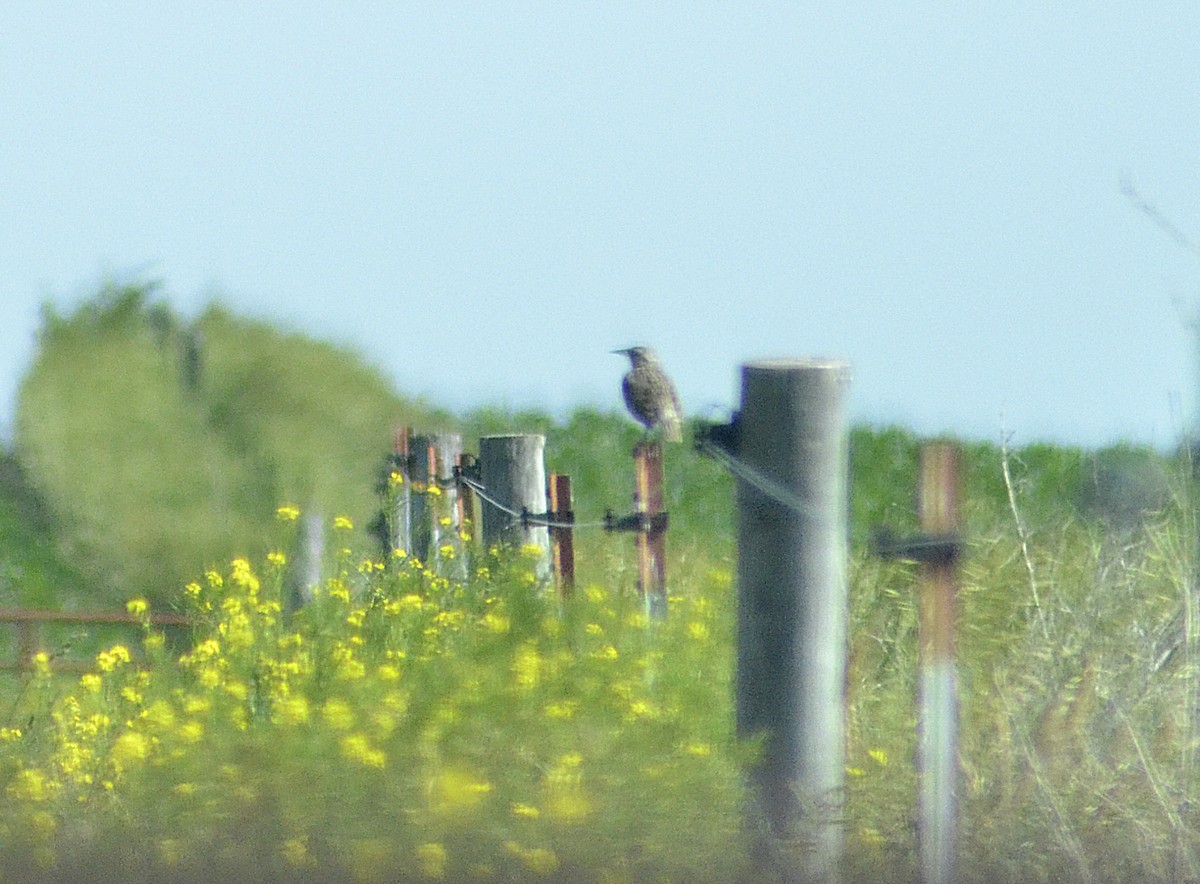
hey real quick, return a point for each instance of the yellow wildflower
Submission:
(107, 661)
(243, 575)
(31, 784)
(338, 714)
(342, 523)
(433, 860)
(456, 790)
(130, 747)
(191, 732)
(295, 852)
(539, 860)
(287, 513)
(357, 748)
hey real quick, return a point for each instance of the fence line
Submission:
(787, 447)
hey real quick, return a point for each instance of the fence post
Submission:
(310, 553)
(937, 690)
(467, 521)
(512, 469)
(562, 543)
(402, 514)
(433, 466)
(792, 600)
(651, 540)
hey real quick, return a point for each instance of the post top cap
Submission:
(794, 363)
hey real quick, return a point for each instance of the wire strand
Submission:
(527, 519)
(769, 487)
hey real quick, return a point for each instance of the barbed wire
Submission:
(769, 487)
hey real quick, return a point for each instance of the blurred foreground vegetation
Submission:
(410, 726)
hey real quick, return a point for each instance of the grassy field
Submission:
(408, 726)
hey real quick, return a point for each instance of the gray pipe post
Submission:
(512, 470)
(792, 600)
(435, 457)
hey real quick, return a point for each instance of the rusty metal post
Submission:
(562, 542)
(652, 539)
(937, 744)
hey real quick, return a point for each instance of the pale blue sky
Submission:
(484, 199)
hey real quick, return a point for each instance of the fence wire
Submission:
(527, 519)
(769, 487)
(740, 469)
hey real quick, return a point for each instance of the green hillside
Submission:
(162, 447)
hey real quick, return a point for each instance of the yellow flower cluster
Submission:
(395, 680)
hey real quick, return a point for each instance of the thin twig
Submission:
(1156, 215)
(1022, 535)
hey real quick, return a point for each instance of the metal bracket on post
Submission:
(642, 522)
(923, 548)
(726, 437)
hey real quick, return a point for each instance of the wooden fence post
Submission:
(562, 543)
(792, 600)
(937, 689)
(651, 541)
(512, 469)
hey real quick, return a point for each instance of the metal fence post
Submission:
(652, 539)
(562, 542)
(937, 689)
(433, 461)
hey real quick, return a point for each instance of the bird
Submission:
(650, 396)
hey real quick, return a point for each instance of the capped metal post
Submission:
(792, 599)
(512, 469)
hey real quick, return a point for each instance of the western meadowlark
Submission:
(650, 396)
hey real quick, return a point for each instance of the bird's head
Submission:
(638, 355)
